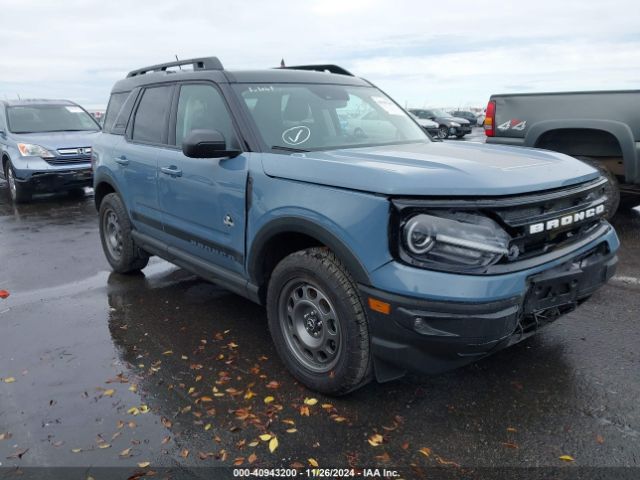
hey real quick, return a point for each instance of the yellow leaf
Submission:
(511, 430)
(567, 458)
(268, 399)
(265, 437)
(125, 452)
(198, 378)
(310, 401)
(339, 419)
(144, 408)
(375, 440)
(218, 394)
(104, 445)
(109, 393)
(327, 406)
(273, 444)
(144, 464)
(253, 444)
(76, 450)
(133, 411)
(292, 430)
(168, 352)
(9, 380)
(425, 451)
(249, 394)
(191, 390)
(288, 421)
(313, 462)
(133, 388)
(207, 427)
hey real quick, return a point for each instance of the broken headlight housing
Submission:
(452, 241)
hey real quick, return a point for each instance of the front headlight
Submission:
(454, 124)
(29, 150)
(453, 241)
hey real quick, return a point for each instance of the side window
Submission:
(201, 107)
(115, 104)
(151, 116)
(2, 125)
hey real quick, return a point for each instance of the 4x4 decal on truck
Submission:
(513, 124)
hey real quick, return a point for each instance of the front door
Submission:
(203, 199)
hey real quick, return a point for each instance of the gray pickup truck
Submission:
(600, 127)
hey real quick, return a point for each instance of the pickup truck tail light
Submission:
(490, 119)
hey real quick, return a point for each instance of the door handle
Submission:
(122, 160)
(172, 171)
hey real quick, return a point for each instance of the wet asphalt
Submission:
(104, 370)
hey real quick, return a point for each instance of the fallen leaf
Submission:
(133, 388)
(313, 462)
(425, 451)
(132, 425)
(18, 453)
(133, 411)
(206, 399)
(600, 439)
(191, 390)
(405, 445)
(166, 422)
(5, 436)
(144, 464)
(310, 401)
(249, 394)
(510, 445)
(125, 453)
(273, 444)
(265, 437)
(567, 458)
(238, 461)
(168, 352)
(76, 450)
(4, 294)
(165, 440)
(252, 458)
(288, 421)
(384, 457)
(339, 419)
(184, 453)
(375, 440)
(104, 445)
(511, 430)
(304, 411)
(268, 399)
(327, 406)
(273, 384)
(9, 380)
(253, 444)
(144, 408)
(109, 393)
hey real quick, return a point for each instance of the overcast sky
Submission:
(423, 53)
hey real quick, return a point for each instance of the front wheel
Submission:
(117, 242)
(19, 192)
(318, 323)
(443, 132)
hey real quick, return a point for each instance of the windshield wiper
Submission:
(288, 149)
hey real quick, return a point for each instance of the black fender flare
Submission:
(311, 229)
(619, 130)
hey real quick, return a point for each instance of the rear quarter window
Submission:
(115, 105)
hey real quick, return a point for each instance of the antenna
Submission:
(177, 60)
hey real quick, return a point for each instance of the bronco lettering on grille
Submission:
(566, 220)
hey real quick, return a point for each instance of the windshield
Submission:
(320, 117)
(440, 113)
(49, 118)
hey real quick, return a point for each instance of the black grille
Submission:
(518, 219)
(71, 156)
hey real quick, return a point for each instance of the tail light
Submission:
(490, 119)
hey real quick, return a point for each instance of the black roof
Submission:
(211, 69)
(35, 101)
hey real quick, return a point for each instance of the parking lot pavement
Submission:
(102, 369)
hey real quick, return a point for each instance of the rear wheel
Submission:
(612, 189)
(19, 192)
(117, 242)
(318, 323)
(443, 132)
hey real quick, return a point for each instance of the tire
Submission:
(19, 192)
(115, 234)
(612, 189)
(312, 301)
(443, 132)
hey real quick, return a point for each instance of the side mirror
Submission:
(206, 144)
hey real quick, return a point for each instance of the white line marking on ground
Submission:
(624, 279)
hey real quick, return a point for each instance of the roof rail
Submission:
(205, 63)
(322, 68)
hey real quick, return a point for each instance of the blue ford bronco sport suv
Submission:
(45, 146)
(375, 253)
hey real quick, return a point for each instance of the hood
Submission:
(56, 140)
(433, 168)
(426, 123)
(460, 120)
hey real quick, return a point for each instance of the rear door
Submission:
(137, 156)
(203, 199)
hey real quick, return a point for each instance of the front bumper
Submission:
(56, 180)
(434, 336)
